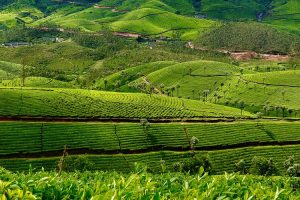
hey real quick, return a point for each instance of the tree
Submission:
(23, 73)
(105, 84)
(241, 167)
(162, 86)
(283, 94)
(283, 111)
(216, 97)
(190, 71)
(177, 87)
(277, 108)
(205, 94)
(242, 106)
(263, 166)
(193, 92)
(172, 90)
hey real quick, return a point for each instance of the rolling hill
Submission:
(115, 82)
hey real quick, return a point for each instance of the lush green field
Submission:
(122, 78)
(242, 139)
(188, 79)
(271, 89)
(66, 57)
(231, 10)
(221, 160)
(96, 104)
(285, 15)
(143, 185)
(40, 82)
(103, 85)
(37, 137)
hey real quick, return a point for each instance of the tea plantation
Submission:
(149, 99)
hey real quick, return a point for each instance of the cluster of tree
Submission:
(256, 37)
(265, 166)
(104, 42)
(33, 35)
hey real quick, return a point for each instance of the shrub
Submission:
(241, 167)
(77, 163)
(193, 164)
(263, 166)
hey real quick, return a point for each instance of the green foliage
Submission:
(193, 164)
(263, 166)
(250, 37)
(241, 166)
(77, 163)
(143, 185)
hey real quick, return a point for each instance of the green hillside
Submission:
(122, 78)
(37, 82)
(231, 10)
(285, 15)
(73, 103)
(187, 79)
(276, 92)
(155, 98)
(255, 37)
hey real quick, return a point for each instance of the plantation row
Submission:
(96, 104)
(221, 161)
(21, 137)
(264, 98)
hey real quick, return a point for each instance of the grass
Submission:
(147, 18)
(37, 82)
(97, 104)
(192, 77)
(122, 78)
(231, 10)
(66, 57)
(181, 6)
(149, 21)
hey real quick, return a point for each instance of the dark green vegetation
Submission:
(176, 85)
(116, 145)
(251, 37)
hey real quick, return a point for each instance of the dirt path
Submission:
(148, 83)
(157, 148)
(125, 34)
(242, 56)
(113, 8)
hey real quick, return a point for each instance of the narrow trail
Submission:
(242, 56)
(148, 83)
(113, 8)
(152, 149)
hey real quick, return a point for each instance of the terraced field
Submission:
(145, 143)
(72, 103)
(285, 15)
(37, 82)
(124, 81)
(122, 78)
(272, 89)
(188, 79)
(231, 10)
